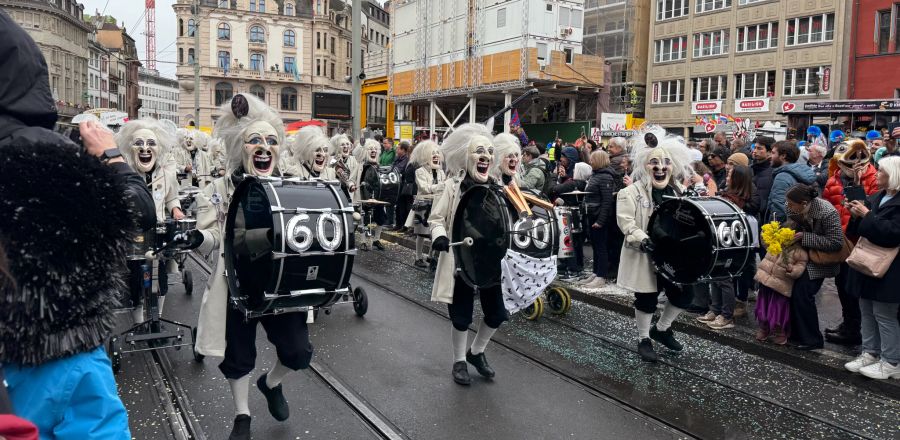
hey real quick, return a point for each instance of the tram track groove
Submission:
(609, 342)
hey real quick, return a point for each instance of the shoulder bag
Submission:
(870, 259)
(824, 258)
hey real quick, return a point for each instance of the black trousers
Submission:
(679, 297)
(599, 237)
(404, 204)
(135, 282)
(804, 314)
(287, 332)
(849, 304)
(463, 306)
(615, 240)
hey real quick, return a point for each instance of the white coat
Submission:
(199, 164)
(213, 308)
(441, 221)
(164, 189)
(425, 186)
(634, 205)
(298, 170)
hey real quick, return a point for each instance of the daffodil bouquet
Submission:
(778, 239)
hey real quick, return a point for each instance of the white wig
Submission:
(201, 139)
(336, 142)
(673, 145)
(360, 152)
(164, 139)
(234, 119)
(504, 145)
(306, 141)
(421, 155)
(456, 146)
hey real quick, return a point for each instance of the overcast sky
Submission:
(131, 13)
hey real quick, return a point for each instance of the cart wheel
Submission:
(360, 301)
(535, 310)
(558, 300)
(114, 355)
(188, 279)
(197, 356)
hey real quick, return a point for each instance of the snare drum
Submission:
(288, 245)
(141, 243)
(700, 239)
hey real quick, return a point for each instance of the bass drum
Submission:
(489, 218)
(288, 245)
(700, 239)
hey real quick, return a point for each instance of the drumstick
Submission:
(517, 203)
(518, 194)
(537, 201)
(467, 242)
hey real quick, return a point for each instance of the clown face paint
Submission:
(509, 165)
(659, 168)
(188, 141)
(145, 148)
(436, 160)
(317, 161)
(481, 156)
(260, 149)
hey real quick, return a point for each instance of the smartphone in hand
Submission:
(854, 193)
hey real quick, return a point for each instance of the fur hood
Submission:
(64, 225)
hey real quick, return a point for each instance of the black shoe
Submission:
(461, 373)
(666, 338)
(645, 350)
(421, 263)
(479, 361)
(838, 329)
(241, 429)
(808, 347)
(697, 310)
(844, 338)
(278, 406)
(377, 245)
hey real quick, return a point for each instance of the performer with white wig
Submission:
(189, 155)
(309, 154)
(660, 164)
(430, 179)
(507, 157)
(145, 144)
(253, 135)
(369, 181)
(345, 166)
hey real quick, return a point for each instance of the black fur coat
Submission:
(64, 224)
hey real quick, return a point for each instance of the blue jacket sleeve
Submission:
(780, 185)
(94, 409)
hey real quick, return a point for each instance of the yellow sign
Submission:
(406, 132)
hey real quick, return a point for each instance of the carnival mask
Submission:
(372, 152)
(145, 148)
(346, 147)
(481, 156)
(851, 156)
(188, 142)
(509, 165)
(659, 168)
(436, 160)
(317, 161)
(261, 149)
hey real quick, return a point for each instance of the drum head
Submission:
(684, 243)
(248, 242)
(482, 215)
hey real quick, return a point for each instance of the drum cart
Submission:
(187, 195)
(555, 298)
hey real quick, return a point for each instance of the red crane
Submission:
(151, 33)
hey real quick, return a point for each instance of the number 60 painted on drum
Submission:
(299, 236)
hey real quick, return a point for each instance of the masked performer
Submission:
(369, 181)
(189, 156)
(253, 135)
(469, 154)
(507, 156)
(145, 144)
(430, 179)
(310, 155)
(852, 177)
(660, 165)
(345, 166)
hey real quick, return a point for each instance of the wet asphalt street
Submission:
(574, 376)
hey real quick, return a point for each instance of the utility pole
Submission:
(196, 13)
(356, 68)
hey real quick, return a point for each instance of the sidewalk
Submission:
(828, 362)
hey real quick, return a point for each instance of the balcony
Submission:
(254, 75)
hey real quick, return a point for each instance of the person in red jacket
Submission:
(851, 174)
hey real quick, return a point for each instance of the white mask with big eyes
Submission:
(261, 148)
(318, 159)
(481, 156)
(659, 168)
(372, 153)
(509, 165)
(346, 146)
(145, 148)
(436, 160)
(188, 142)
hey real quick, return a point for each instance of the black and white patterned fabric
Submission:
(523, 278)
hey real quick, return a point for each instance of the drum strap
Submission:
(524, 278)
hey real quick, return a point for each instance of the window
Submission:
(257, 61)
(549, 7)
(252, 5)
(180, 27)
(570, 17)
(757, 37)
(318, 67)
(668, 92)
(192, 27)
(709, 88)
(289, 38)
(289, 99)
(671, 49)
(224, 59)
(191, 56)
(897, 28)
(257, 34)
(754, 85)
(262, 5)
(318, 40)
(569, 54)
(259, 91)
(332, 70)
(224, 92)
(542, 52)
(289, 9)
(501, 17)
(180, 56)
(802, 81)
(712, 5)
(709, 44)
(805, 30)
(749, 2)
(224, 31)
(289, 65)
(333, 45)
(883, 27)
(666, 9)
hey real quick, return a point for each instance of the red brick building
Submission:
(874, 68)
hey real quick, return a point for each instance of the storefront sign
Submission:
(617, 133)
(753, 105)
(826, 79)
(613, 121)
(656, 92)
(841, 106)
(706, 107)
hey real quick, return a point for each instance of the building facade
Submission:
(98, 74)
(715, 61)
(158, 96)
(378, 110)
(874, 62)
(123, 65)
(281, 51)
(57, 28)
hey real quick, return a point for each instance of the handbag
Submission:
(870, 259)
(831, 258)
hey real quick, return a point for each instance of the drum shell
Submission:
(564, 225)
(421, 210)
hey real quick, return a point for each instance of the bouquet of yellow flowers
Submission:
(777, 238)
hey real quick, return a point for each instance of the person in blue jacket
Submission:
(786, 172)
